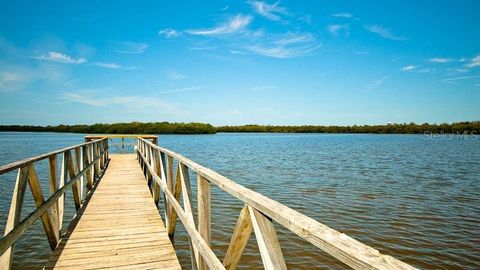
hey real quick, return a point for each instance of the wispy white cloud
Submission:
(282, 52)
(292, 38)
(343, 15)
(131, 102)
(270, 11)
(474, 62)
(440, 60)
(376, 83)
(114, 66)
(409, 68)
(15, 77)
(169, 33)
(61, 58)
(462, 70)
(234, 24)
(417, 69)
(180, 90)
(225, 8)
(383, 32)
(11, 80)
(83, 98)
(131, 47)
(173, 74)
(202, 48)
(108, 65)
(237, 52)
(425, 70)
(461, 78)
(288, 46)
(336, 29)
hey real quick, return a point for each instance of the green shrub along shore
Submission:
(122, 128)
(201, 128)
(412, 128)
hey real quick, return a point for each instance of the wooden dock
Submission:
(120, 225)
(117, 223)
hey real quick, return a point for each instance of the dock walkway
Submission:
(120, 227)
(117, 223)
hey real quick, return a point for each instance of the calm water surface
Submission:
(410, 197)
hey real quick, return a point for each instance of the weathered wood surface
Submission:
(120, 227)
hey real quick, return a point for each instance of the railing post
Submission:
(158, 171)
(204, 215)
(79, 168)
(14, 213)
(96, 154)
(63, 179)
(106, 149)
(267, 240)
(187, 205)
(239, 239)
(72, 173)
(37, 193)
(87, 160)
(169, 176)
(52, 161)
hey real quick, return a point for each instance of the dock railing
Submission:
(89, 161)
(257, 215)
(123, 143)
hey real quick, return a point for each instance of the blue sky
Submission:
(286, 62)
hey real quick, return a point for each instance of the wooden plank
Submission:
(47, 221)
(267, 240)
(119, 226)
(239, 239)
(204, 215)
(14, 214)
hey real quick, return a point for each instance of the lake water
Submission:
(414, 197)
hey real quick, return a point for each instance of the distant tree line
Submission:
(200, 128)
(412, 128)
(122, 128)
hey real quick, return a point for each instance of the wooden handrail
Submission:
(257, 216)
(89, 161)
(21, 163)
